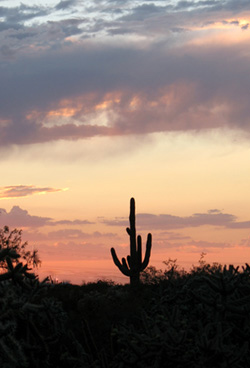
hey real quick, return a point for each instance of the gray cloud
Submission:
(192, 246)
(144, 11)
(212, 4)
(71, 234)
(78, 234)
(15, 15)
(166, 85)
(65, 4)
(22, 35)
(73, 250)
(213, 218)
(206, 245)
(194, 77)
(18, 218)
(172, 236)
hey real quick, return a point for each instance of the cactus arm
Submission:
(139, 251)
(147, 254)
(124, 270)
(124, 263)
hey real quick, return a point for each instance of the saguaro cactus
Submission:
(134, 264)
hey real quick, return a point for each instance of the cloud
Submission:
(169, 235)
(73, 250)
(144, 11)
(172, 92)
(16, 15)
(72, 78)
(71, 222)
(166, 221)
(62, 5)
(78, 234)
(192, 246)
(206, 245)
(17, 191)
(68, 234)
(19, 218)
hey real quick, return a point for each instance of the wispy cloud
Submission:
(68, 234)
(213, 218)
(17, 191)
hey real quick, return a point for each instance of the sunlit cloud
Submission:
(17, 191)
(189, 74)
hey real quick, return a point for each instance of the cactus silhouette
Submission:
(134, 264)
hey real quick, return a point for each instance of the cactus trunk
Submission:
(133, 265)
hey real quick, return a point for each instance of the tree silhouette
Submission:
(13, 240)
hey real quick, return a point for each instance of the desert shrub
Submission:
(201, 322)
(33, 327)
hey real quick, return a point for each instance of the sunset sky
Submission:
(101, 101)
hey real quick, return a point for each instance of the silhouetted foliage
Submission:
(173, 319)
(13, 240)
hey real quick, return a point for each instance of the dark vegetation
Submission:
(171, 318)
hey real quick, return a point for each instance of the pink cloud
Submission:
(19, 218)
(16, 191)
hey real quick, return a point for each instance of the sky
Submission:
(101, 101)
